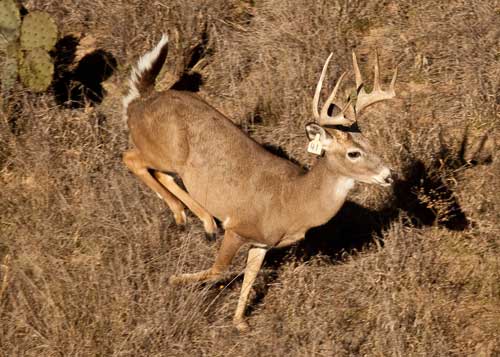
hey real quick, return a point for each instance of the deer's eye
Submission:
(354, 154)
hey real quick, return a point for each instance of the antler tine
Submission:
(377, 94)
(329, 101)
(324, 118)
(376, 74)
(357, 73)
(317, 93)
(338, 119)
(393, 81)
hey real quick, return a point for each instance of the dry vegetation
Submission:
(86, 249)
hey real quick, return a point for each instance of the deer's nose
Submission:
(391, 176)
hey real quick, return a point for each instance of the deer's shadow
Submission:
(76, 84)
(355, 227)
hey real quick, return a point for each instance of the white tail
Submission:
(263, 200)
(145, 72)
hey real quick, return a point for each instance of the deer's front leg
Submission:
(231, 243)
(254, 262)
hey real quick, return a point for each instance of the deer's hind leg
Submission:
(136, 163)
(208, 221)
(230, 245)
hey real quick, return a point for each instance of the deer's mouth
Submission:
(388, 181)
(384, 178)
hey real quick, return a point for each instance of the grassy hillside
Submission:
(86, 249)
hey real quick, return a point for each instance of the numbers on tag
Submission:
(315, 146)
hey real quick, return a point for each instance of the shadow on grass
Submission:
(421, 196)
(75, 84)
(196, 57)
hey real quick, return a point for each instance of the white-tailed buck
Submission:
(262, 199)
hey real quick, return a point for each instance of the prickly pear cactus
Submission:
(10, 20)
(24, 46)
(38, 31)
(9, 67)
(36, 70)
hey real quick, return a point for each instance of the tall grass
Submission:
(86, 249)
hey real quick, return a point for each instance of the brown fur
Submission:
(261, 198)
(266, 197)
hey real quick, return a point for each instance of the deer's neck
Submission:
(319, 194)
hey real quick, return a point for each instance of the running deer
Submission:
(262, 199)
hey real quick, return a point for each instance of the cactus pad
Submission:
(10, 20)
(38, 31)
(36, 70)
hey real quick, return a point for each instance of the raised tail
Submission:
(143, 76)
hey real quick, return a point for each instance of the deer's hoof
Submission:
(210, 236)
(180, 218)
(241, 325)
(174, 280)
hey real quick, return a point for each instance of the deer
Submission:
(262, 200)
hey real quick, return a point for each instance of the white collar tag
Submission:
(315, 146)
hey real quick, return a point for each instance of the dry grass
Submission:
(85, 249)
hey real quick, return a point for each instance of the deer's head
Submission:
(347, 151)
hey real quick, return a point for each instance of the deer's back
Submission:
(222, 168)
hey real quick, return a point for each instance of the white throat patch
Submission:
(344, 185)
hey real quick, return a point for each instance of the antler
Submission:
(377, 94)
(324, 118)
(363, 99)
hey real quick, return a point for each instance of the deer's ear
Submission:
(313, 129)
